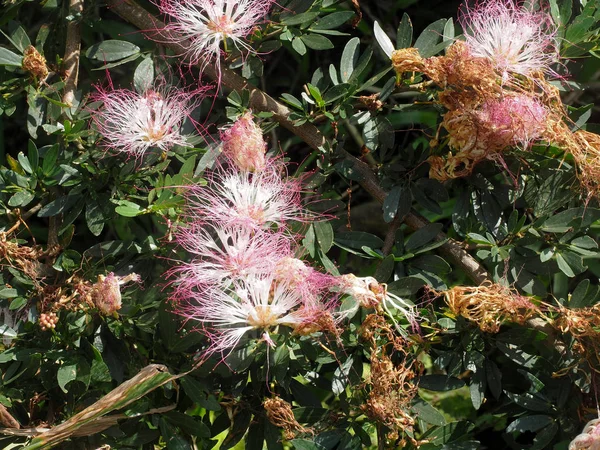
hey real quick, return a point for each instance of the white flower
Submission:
(133, 123)
(515, 39)
(206, 23)
(256, 303)
(256, 201)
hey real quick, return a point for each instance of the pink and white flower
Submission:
(222, 255)
(253, 200)
(244, 145)
(132, 123)
(255, 303)
(516, 39)
(207, 23)
(515, 119)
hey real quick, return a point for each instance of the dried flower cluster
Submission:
(494, 87)
(392, 383)
(489, 305)
(279, 412)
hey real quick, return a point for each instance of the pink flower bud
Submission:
(244, 145)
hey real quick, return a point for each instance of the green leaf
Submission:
(529, 423)
(358, 239)
(50, 158)
(33, 155)
(391, 202)
(128, 209)
(57, 206)
(6, 292)
(440, 383)
(349, 59)
(405, 32)
(8, 58)
(187, 424)
(94, 218)
(111, 50)
(428, 413)
(427, 42)
(298, 45)
(477, 388)
(316, 42)
(17, 303)
(309, 241)
(324, 235)
(66, 373)
(310, 414)
(423, 236)
(564, 266)
(21, 198)
(143, 77)
(584, 295)
(299, 19)
(303, 444)
(431, 263)
(333, 20)
(448, 30)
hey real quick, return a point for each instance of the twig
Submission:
(72, 51)
(311, 135)
(390, 236)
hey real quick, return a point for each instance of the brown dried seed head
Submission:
(35, 63)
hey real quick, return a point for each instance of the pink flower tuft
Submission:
(514, 38)
(297, 274)
(132, 123)
(244, 145)
(222, 255)
(253, 200)
(513, 120)
(255, 303)
(205, 23)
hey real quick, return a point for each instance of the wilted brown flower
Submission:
(489, 305)
(279, 412)
(35, 63)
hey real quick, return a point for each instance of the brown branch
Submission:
(261, 101)
(72, 51)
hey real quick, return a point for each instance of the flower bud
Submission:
(244, 145)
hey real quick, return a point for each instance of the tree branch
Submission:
(311, 135)
(72, 51)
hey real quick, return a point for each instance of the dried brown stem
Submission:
(261, 101)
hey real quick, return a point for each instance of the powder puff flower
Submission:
(132, 123)
(513, 120)
(256, 303)
(253, 200)
(514, 38)
(205, 23)
(222, 255)
(244, 145)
